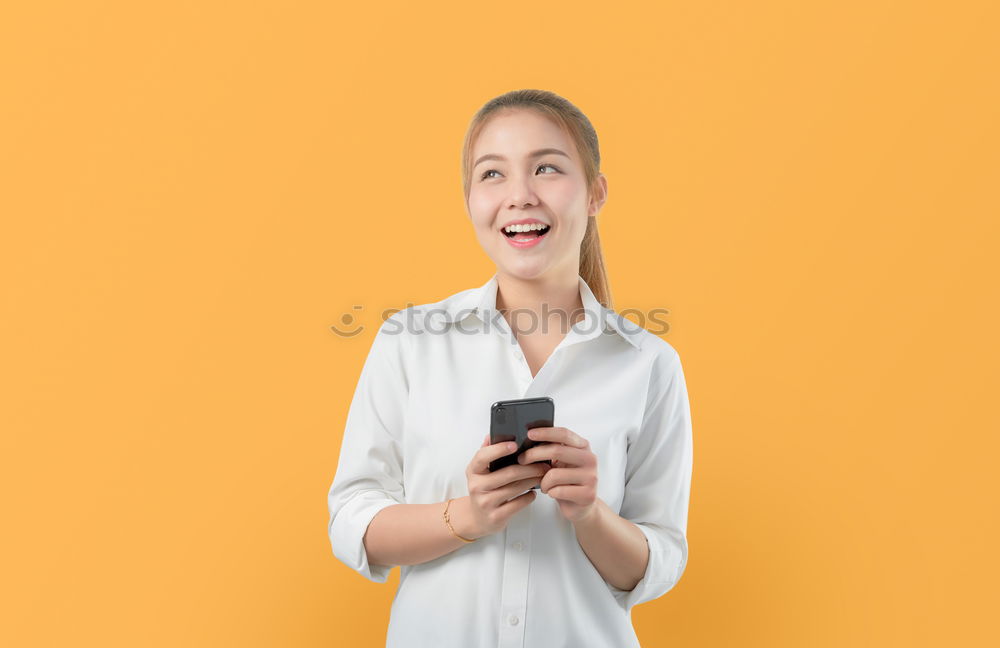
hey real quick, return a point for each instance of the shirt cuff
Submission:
(663, 569)
(347, 533)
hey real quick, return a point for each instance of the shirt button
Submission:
(512, 619)
(519, 546)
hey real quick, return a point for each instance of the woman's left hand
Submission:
(572, 480)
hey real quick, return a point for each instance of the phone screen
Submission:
(510, 420)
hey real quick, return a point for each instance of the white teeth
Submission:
(525, 228)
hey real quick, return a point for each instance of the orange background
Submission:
(194, 192)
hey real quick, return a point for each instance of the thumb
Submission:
(486, 441)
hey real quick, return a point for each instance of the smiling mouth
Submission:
(527, 236)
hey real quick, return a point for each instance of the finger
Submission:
(558, 435)
(570, 493)
(501, 495)
(480, 463)
(516, 504)
(565, 455)
(566, 477)
(497, 479)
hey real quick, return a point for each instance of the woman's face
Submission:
(513, 184)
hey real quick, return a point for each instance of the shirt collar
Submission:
(481, 303)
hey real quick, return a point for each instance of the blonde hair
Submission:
(580, 130)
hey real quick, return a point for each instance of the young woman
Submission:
(485, 561)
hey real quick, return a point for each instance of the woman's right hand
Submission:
(489, 492)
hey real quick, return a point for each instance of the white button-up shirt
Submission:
(420, 412)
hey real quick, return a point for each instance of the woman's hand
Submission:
(572, 481)
(496, 496)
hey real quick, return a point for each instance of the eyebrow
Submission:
(533, 154)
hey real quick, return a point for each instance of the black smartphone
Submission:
(510, 420)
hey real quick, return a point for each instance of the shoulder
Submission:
(652, 346)
(661, 351)
(661, 360)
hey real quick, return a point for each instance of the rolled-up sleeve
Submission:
(658, 483)
(369, 473)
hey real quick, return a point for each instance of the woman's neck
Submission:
(559, 298)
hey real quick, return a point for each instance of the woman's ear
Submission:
(600, 195)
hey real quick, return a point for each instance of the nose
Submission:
(522, 194)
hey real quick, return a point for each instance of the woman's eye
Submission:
(488, 172)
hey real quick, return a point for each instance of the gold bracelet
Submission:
(447, 520)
